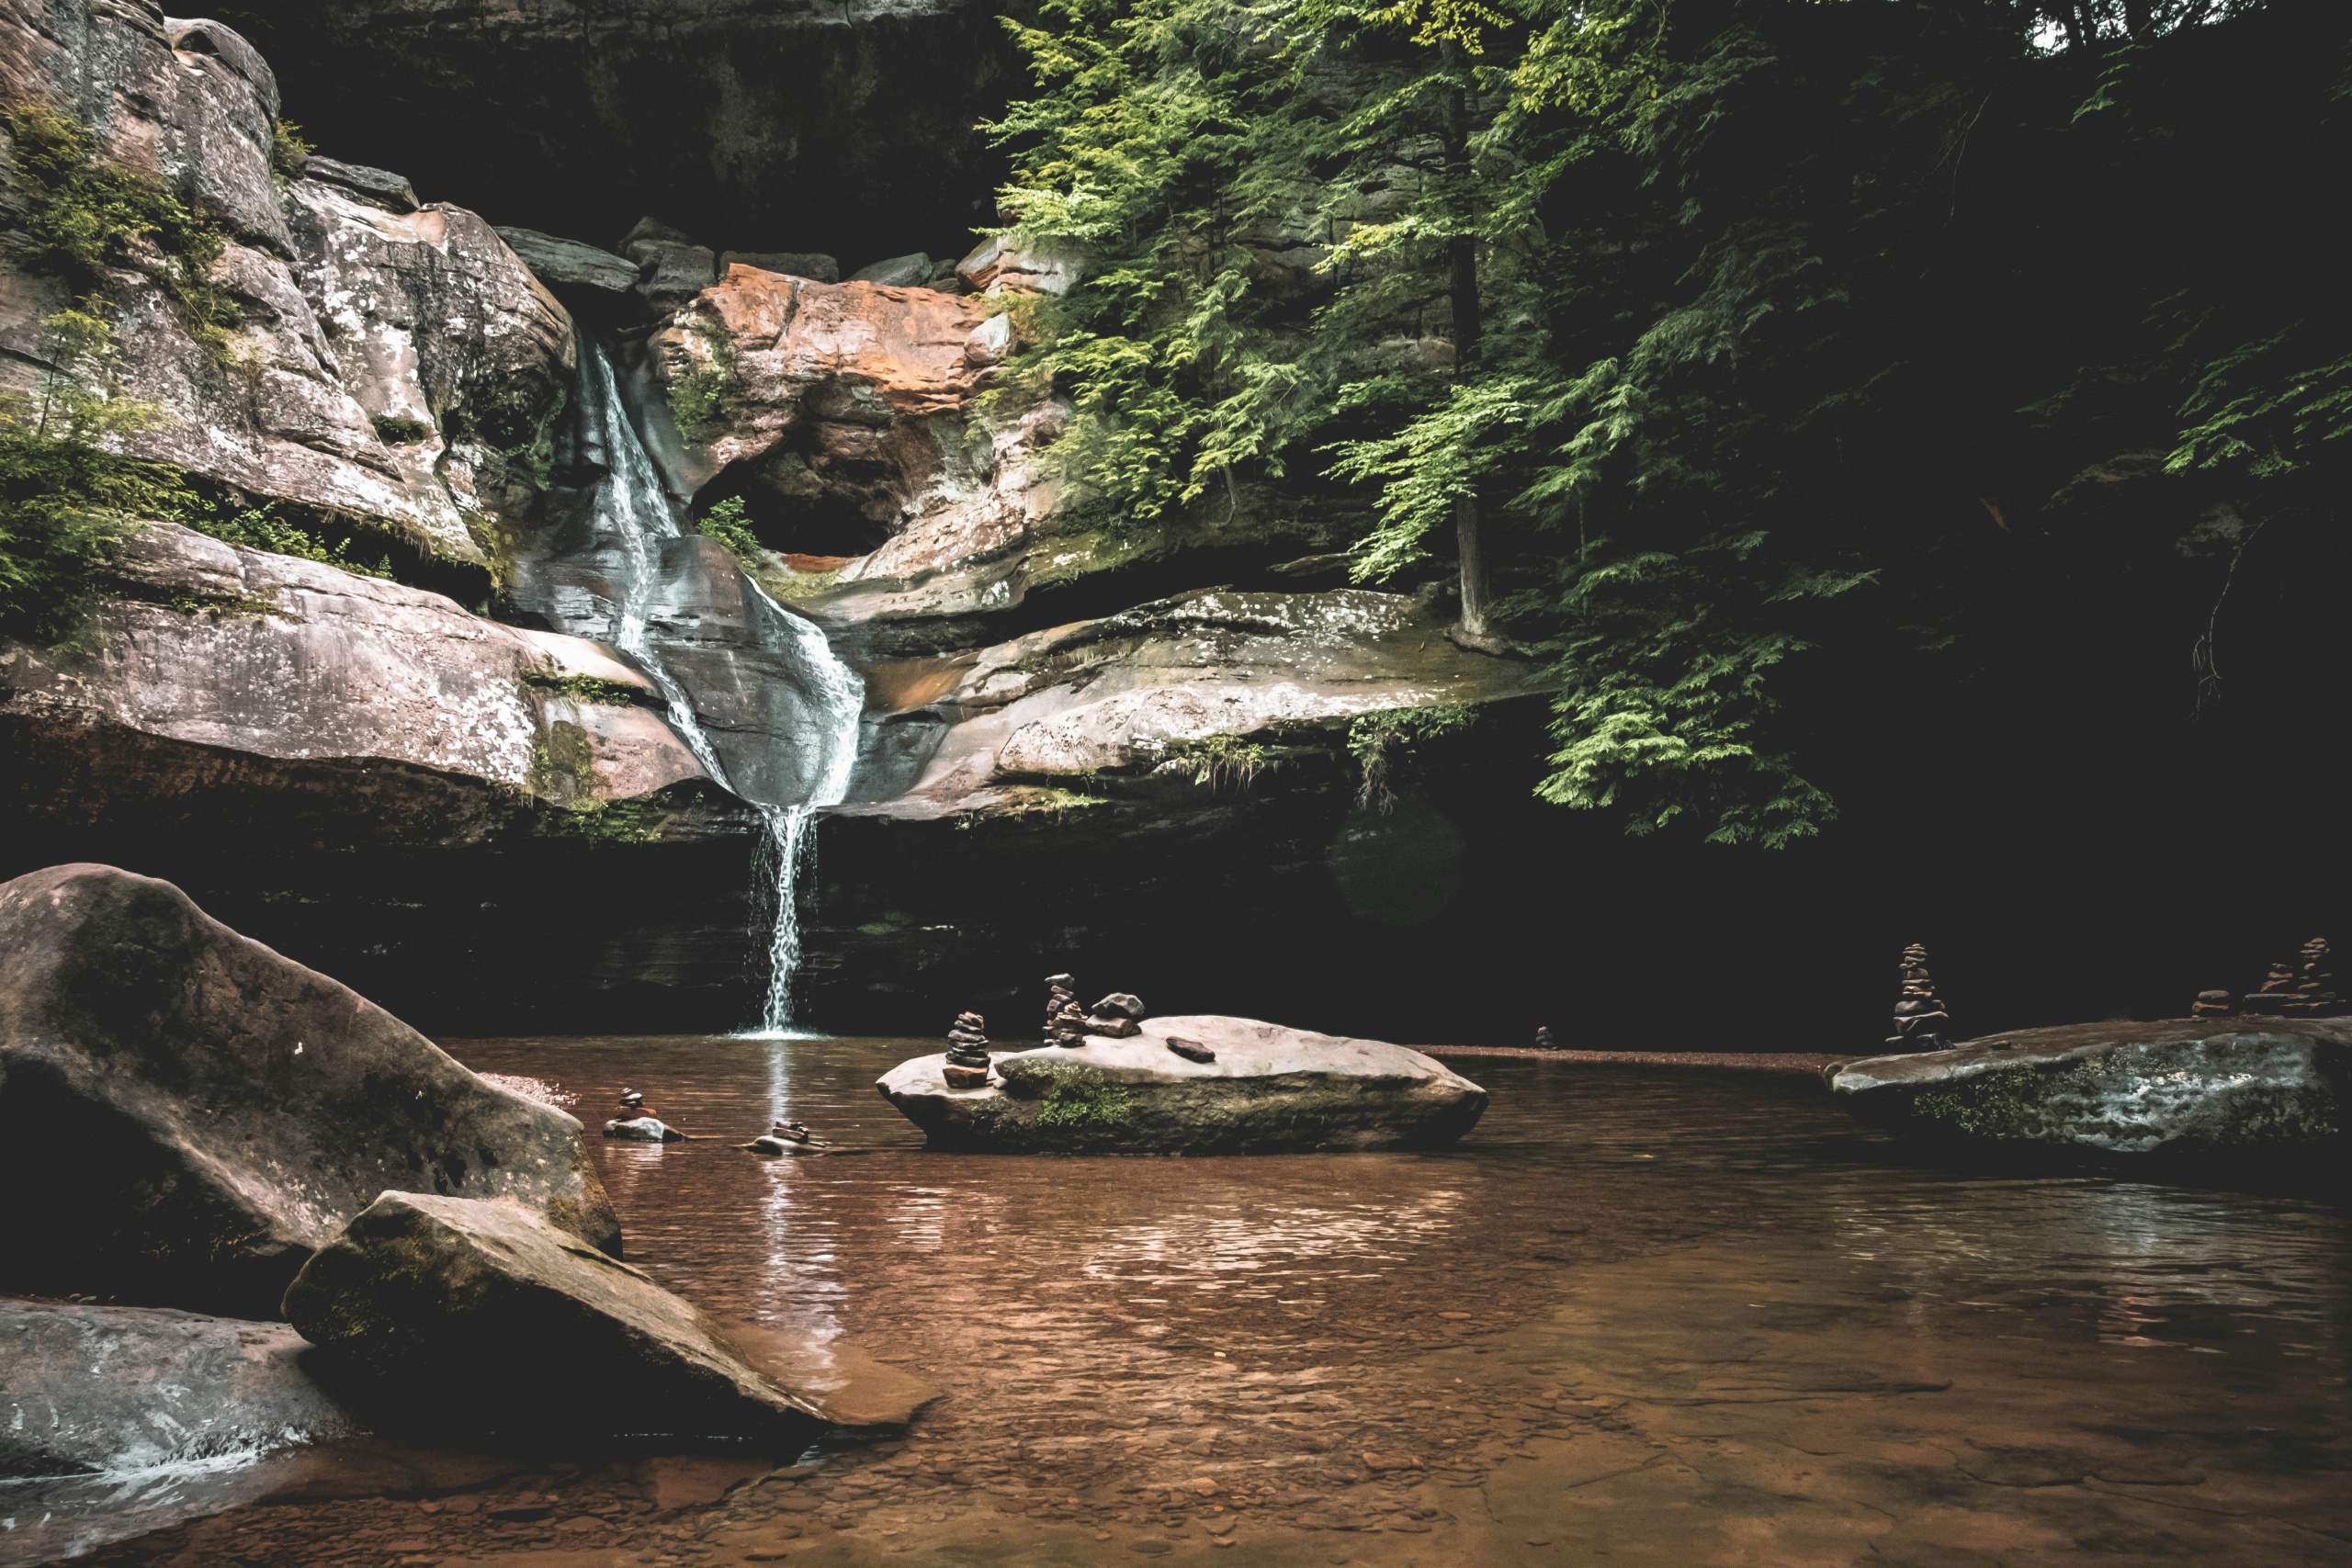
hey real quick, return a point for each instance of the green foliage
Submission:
(1221, 762)
(1761, 367)
(262, 529)
(602, 822)
(289, 153)
(1380, 740)
(66, 499)
(397, 430)
(547, 678)
(708, 399)
(78, 214)
(728, 524)
(1078, 1099)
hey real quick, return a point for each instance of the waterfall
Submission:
(789, 851)
(634, 505)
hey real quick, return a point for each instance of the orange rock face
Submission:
(858, 352)
(850, 393)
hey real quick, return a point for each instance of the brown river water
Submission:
(1641, 1315)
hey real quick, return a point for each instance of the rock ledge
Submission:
(1269, 1090)
(2187, 1086)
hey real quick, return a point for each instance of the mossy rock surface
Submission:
(2176, 1086)
(1270, 1090)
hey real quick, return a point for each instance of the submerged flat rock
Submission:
(90, 1389)
(455, 1307)
(1269, 1090)
(2187, 1086)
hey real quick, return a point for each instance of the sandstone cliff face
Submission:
(1130, 692)
(294, 677)
(352, 320)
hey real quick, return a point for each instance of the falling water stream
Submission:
(633, 503)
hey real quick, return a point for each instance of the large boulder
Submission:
(450, 1305)
(199, 1114)
(2185, 1087)
(1266, 1089)
(328, 701)
(88, 1389)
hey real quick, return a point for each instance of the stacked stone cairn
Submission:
(2211, 1004)
(968, 1052)
(2299, 989)
(1116, 1015)
(1064, 1020)
(1921, 1017)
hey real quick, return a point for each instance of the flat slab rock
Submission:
(1271, 1090)
(478, 1310)
(90, 1390)
(198, 1113)
(2186, 1085)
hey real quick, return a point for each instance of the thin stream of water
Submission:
(633, 500)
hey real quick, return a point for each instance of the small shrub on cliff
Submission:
(66, 501)
(1378, 742)
(261, 529)
(397, 430)
(727, 523)
(289, 151)
(706, 400)
(1221, 762)
(80, 214)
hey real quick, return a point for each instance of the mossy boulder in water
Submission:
(2185, 1086)
(186, 1116)
(1265, 1090)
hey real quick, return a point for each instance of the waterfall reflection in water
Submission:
(1659, 1317)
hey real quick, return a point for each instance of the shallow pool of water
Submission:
(1655, 1316)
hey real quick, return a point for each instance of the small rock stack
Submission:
(1920, 1017)
(2279, 987)
(1116, 1015)
(968, 1052)
(1064, 1020)
(2211, 1004)
(2299, 989)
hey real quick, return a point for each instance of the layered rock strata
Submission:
(393, 365)
(201, 1114)
(2193, 1087)
(224, 669)
(1262, 1089)
(1144, 690)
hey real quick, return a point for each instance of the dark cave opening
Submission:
(793, 130)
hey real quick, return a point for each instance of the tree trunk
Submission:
(1469, 341)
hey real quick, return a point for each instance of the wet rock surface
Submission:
(86, 1389)
(231, 652)
(1675, 1318)
(203, 1114)
(2185, 1087)
(446, 1305)
(1263, 1090)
